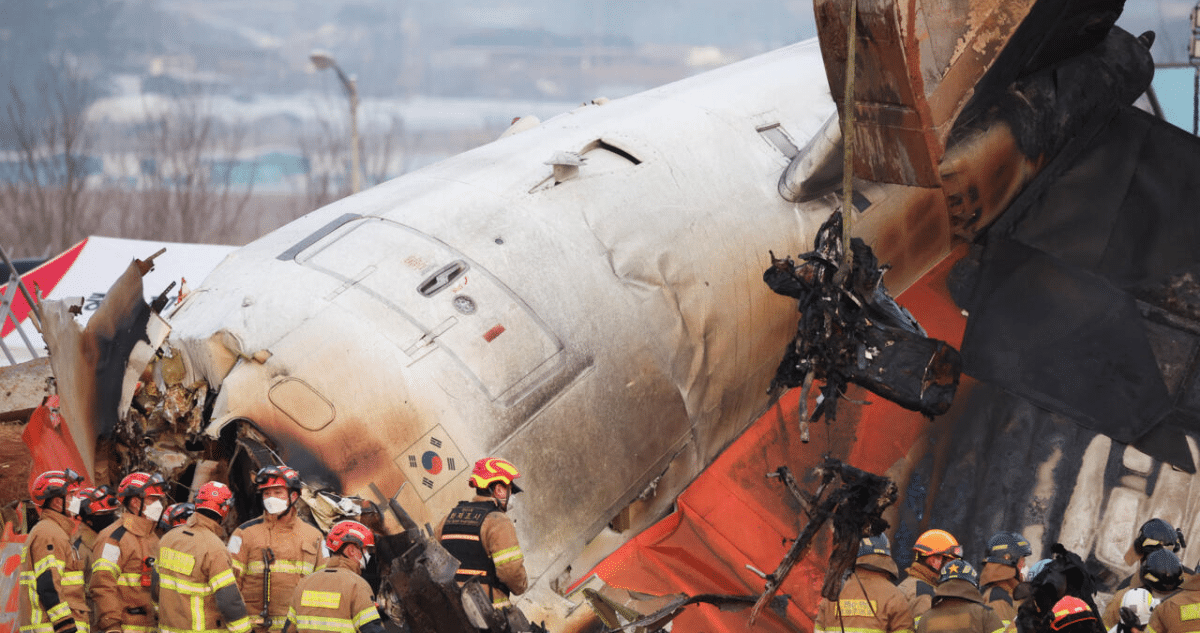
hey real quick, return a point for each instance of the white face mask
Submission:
(153, 511)
(73, 506)
(508, 506)
(275, 505)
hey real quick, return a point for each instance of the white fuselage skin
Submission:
(609, 334)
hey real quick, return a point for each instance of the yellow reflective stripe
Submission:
(1189, 611)
(46, 563)
(472, 572)
(240, 625)
(103, 564)
(82, 627)
(167, 629)
(507, 555)
(176, 561)
(72, 578)
(223, 579)
(198, 619)
(999, 630)
(850, 630)
(857, 608)
(130, 580)
(321, 599)
(459, 537)
(184, 587)
(59, 611)
(239, 566)
(37, 628)
(137, 628)
(502, 601)
(365, 616)
(903, 631)
(281, 566)
(312, 622)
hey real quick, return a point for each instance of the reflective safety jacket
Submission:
(335, 599)
(958, 608)
(80, 596)
(49, 569)
(121, 576)
(484, 540)
(918, 588)
(1180, 612)
(997, 584)
(196, 590)
(868, 603)
(296, 550)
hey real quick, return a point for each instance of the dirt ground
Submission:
(15, 462)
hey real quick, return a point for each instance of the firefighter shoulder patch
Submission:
(111, 553)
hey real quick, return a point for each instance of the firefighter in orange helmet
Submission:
(933, 549)
(197, 592)
(124, 556)
(482, 538)
(274, 551)
(48, 566)
(336, 598)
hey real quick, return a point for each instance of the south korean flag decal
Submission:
(432, 462)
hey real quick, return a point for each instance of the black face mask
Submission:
(99, 521)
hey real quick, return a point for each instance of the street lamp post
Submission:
(1194, 60)
(323, 60)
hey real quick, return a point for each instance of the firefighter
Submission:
(957, 606)
(1002, 568)
(1161, 573)
(336, 598)
(175, 515)
(97, 510)
(868, 602)
(1072, 615)
(482, 538)
(273, 552)
(48, 565)
(124, 557)
(197, 592)
(933, 549)
(1154, 534)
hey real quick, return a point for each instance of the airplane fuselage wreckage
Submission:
(585, 297)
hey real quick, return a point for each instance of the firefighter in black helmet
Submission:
(1155, 534)
(1006, 554)
(868, 602)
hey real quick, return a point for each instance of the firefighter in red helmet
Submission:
(124, 557)
(97, 510)
(274, 551)
(336, 598)
(48, 567)
(197, 592)
(482, 538)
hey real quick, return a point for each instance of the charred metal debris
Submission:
(853, 331)
(849, 499)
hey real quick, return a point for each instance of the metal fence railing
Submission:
(11, 289)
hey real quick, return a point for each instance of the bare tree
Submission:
(194, 185)
(43, 179)
(326, 149)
